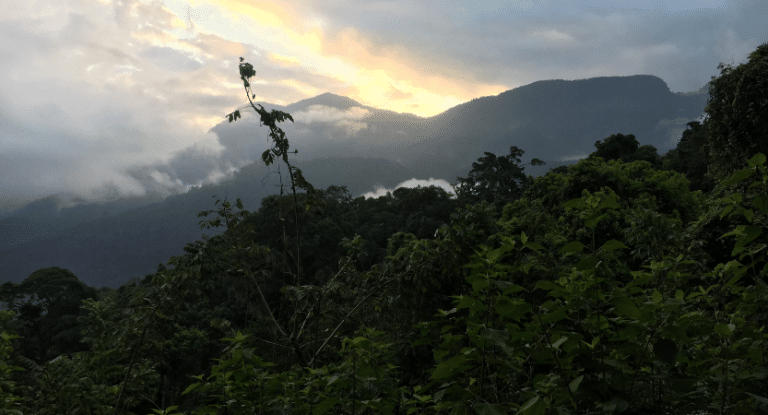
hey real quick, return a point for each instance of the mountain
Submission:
(343, 142)
(327, 99)
(55, 213)
(554, 120)
(112, 248)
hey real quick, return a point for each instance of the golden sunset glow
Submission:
(382, 76)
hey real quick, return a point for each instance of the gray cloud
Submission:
(104, 98)
(322, 113)
(516, 43)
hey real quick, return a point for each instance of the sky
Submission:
(103, 97)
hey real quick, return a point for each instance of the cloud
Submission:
(116, 96)
(103, 99)
(323, 113)
(411, 184)
(347, 120)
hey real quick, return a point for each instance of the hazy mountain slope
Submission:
(551, 120)
(344, 143)
(555, 120)
(52, 214)
(110, 250)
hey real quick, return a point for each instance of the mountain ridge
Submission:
(548, 119)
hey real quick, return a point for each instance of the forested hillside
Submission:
(630, 282)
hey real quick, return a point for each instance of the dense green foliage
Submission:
(608, 286)
(691, 156)
(47, 306)
(738, 113)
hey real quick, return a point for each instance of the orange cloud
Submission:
(384, 69)
(284, 60)
(384, 75)
(218, 46)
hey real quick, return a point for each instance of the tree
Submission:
(650, 154)
(738, 113)
(617, 147)
(691, 157)
(47, 304)
(497, 180)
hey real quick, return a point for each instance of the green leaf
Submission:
(610, 202)
(613, 245)
(556, 345)
(752, 232)
(358, 340)
(508, 287)
(726, 211)
(499, 338)
(576, 204)
(615, 405)
(592, 220)
(586, 263)
(534, 406)
(724, 329)
(757, 160)
(760, 202)
(554, 317)
(533, 246)
(748, 214)
(496, 254)
(573, 247)
(191, 388)
(325, 406)
(574, 385)
(680, 295)
(546, 285)
(758, 398)
(626, 308)
(450, 367)
(512, 309)
(657, 297)
(438, 354)
(739, 176)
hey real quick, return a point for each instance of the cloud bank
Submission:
(117, 97)
(411, 184)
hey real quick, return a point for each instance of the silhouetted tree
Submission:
(498, 180)
(617, 147)
(691, 156)
(47, 304)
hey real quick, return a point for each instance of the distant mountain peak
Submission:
(327, 99)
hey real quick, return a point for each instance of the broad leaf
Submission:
(613, 245)
(576, 204)
(325, 406)
(626, 308)
(757, 160)
(573, 247)
(739, 176)
(574, 385)
(450, 367)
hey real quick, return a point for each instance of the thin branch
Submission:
(347, 316)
